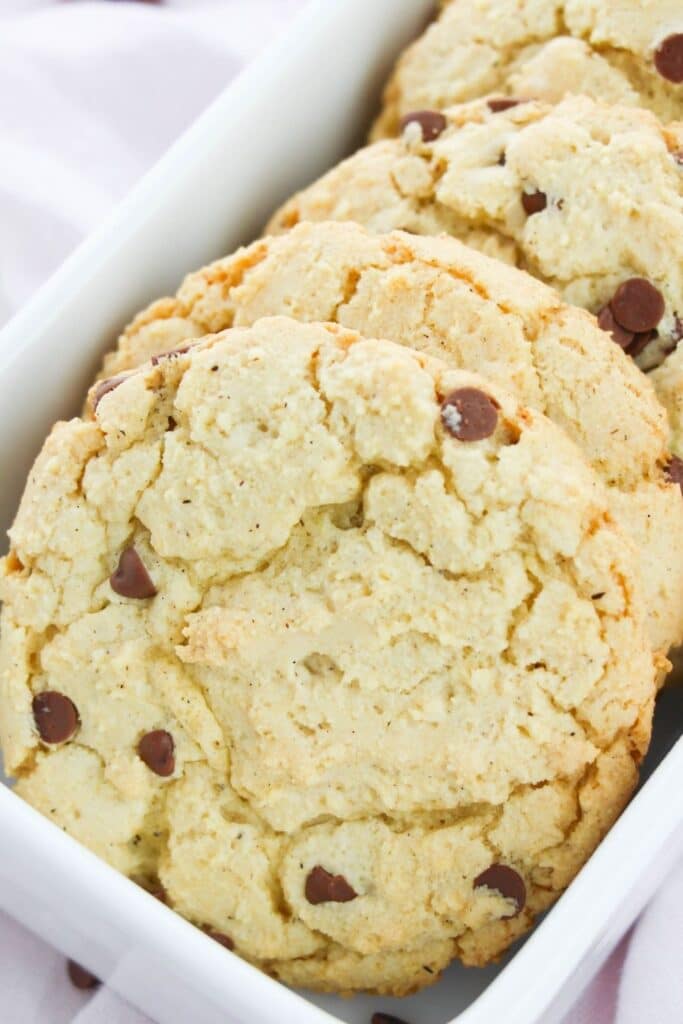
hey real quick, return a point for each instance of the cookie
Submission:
(629, 53)
(338, 645)
(668, 382)
(586, 197)
(443, 298)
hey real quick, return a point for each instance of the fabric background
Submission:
(91, 93)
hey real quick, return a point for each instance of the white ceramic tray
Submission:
(290, 116)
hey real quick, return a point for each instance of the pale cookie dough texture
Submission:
(339, 645)
(584, 196)
(438, 296)
(629, 52)
(668, 381)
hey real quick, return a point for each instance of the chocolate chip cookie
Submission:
(443, 298)
(585, 196)
(627, 52)
(335, 647)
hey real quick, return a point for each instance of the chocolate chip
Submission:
(534, 202)
(669, 58)
(431, 122)
(56, 716)
(220, 938)
(104, 387)
(640, 343)
(632, 342)
(322, 887)
(507, 882)
(131, 579)
(469, 414)
(171, 354)
(637, 305)
(674, 471)
(496, 106)
(608, 323)
(678, 157)
(157, 750)
(79, 977)
(172, 423)
(386, 1018)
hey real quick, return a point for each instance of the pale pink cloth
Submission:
(91, 93)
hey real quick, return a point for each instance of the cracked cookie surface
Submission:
(338, 644)
(585, 196)
(441, 297)
(629, 53)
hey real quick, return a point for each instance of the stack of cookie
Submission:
(337, 620)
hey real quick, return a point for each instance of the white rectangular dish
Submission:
(290, 116)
